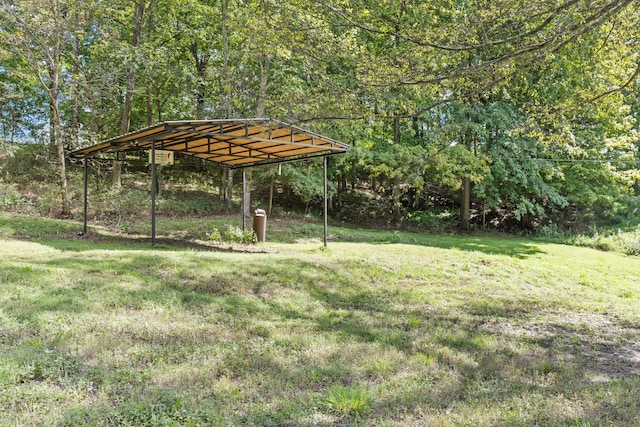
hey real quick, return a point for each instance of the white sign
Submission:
(163, 157)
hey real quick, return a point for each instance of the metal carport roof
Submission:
(235, 143)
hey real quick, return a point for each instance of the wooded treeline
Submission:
(519, 115)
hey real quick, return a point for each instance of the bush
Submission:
(10, 199)
(116, 204)
(633, 247)
(366, 209)
(597, 241)
(233, 235)
(625, 242)
(631, 243)
(29, 163)
(215, 236)
(432, 220)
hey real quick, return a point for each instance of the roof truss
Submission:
(233, 143)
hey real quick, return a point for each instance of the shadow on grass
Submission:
(509, 246)
(76, 242)
(477, 355)
(472, 242)
(66, 235)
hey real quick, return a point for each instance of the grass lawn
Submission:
(380, 329)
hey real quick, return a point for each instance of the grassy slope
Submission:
(438, 330)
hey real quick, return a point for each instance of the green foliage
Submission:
(233, 234)
(215, 236)
(29, 163)
(493, 89)
(517, 182)
(624, 242)
(305, 180)
(431, 220)
(631, 243)
(10, 199)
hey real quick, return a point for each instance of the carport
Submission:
(236, 144)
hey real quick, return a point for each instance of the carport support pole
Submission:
(244, 198)
(86, 189)
(324, 181)
(153, 193)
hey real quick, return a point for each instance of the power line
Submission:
(537, 159)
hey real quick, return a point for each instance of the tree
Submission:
(502, 105)
(35, 32)
(22, 100)
(472, 56)
(141, 13)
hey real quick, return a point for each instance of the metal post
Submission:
(244, 198)
(325, 208)
(86, 190)
(153, 193)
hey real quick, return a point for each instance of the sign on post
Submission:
(163, 157)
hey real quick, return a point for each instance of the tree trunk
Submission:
(264, 80)
(465, 205)
(273, 182)
(149, 102)
(124, 124)
(66, 204)
(44, 47)
(247, 198)
(222, 187)
(228, 174)
(416, 198)
(354, 171)
(52, 125)
(396, 129)
(201, 62)
(395, 192)
(158, 182)
(262, 96)
(125, 121)
(225, 58)
(62, 167)
(53, 88)
(229, 190)
(75, 119)
(484, 214)
(341, 185)
(98, 168)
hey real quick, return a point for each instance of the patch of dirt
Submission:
(172, 242)
(601, 346)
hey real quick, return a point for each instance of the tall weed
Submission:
(348, 401)
(627, 242)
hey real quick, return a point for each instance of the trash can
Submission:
(260, 224)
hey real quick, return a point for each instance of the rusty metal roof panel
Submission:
(234, 143)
